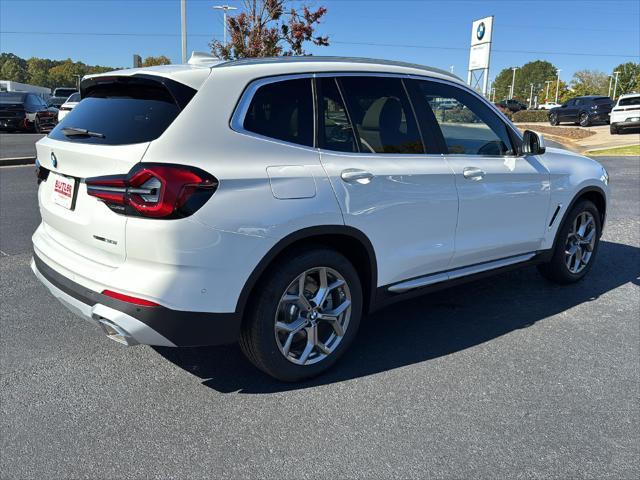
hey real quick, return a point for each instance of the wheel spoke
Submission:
(287, 345)
(323, 348)
(302, 280)
(304, 356)
(583, 227)
(322, 292)
(292, 327)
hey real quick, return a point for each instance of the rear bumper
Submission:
(139, 325)
(627, 124)
(15, 123)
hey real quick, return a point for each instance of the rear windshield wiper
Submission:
(80, 132)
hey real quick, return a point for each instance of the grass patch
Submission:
(616, 151)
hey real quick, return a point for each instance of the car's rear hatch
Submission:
(107, 133)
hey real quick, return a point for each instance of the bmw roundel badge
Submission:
(480, 31)
(54, 160)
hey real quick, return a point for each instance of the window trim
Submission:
(236, 121)
(320, 121)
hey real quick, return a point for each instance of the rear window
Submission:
(64, 92)
(625, 102)
(10, 97)
(74, 98)
(124, 111)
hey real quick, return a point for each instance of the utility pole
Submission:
(493, 90)
(558, 85)
(513, 82)
(531, 96)
(610, 82)
(226, 8)
(615, 85)
(546, 97)
(183, 20)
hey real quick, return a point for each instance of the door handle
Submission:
(352, 175)
(473, 173)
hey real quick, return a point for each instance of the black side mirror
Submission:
(533, 143)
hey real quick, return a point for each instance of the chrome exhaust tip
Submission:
(115, 332)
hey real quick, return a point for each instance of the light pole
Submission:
(615, 85)
(546, 97)
(558, 85)
(610, 82)
(513, 82)
(183, 22)
(531, 96)
(225, 9)
(493, 90)
(509, 92)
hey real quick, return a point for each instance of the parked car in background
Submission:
(512, 105)
(548, 105)
(64, 92)
(584, 111)
(67, 106)
(316, 191)
(26, 112)
(626, 113)
(56, 102)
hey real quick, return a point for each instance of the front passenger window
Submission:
(469, 127)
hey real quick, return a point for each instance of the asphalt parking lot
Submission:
(509, 377)
(18, 145)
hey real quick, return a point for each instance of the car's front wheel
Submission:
(304, 314)
(553, 119)
(576, 245)
(584, 120)
(613, 129)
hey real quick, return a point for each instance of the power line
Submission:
(338, 42)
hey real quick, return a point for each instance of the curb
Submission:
(7, 162)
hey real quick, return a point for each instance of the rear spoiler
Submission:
(180, 93)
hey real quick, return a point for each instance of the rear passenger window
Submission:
(469, 127)
(284, 111)
(382, 115)
(336, 131)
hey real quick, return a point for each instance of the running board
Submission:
(457, 273)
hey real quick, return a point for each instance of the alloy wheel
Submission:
(313, 316)
(580, 243)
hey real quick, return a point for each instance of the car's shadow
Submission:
(428, 327)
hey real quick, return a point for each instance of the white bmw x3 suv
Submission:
(275, 202)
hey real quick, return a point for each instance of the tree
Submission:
(536, 72)
(265, 28)
(628, 78)
(589, 82)
(13, 70)
(151, 61)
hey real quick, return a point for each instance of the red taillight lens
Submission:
(155, 190)
(126, 298)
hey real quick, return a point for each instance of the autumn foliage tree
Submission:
(269, 28)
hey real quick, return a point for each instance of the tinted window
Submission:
(64, 92)
(74, 98)
(602, 100)
(123, 112)
(469, 127)
(11, 97)
(578, 101)
(625, 102)
(382, 115)
(336, 132)
(283, 110)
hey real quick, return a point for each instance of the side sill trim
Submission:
(458, 273)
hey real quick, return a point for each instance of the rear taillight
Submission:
(155, 190)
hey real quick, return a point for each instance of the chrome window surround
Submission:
(237, 118)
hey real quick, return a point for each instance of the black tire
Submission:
(584, 120)
(556, 269)
(613, 129)
(553, 119)
(37, 128)
(257, 337)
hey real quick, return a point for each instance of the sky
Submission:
(572, 34)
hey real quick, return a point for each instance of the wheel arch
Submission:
(592, 193)
(349, 241)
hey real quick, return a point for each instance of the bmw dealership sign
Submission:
(480, 53)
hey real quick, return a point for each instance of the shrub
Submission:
(531, 116)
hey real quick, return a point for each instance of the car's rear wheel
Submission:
(584, 120)
(304, 314)
(36, 126)
(553, 119)
(576, 245)
(613, 129)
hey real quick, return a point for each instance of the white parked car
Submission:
(68, 105)
(625, 115)
(277, 202)
(548, 105)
